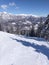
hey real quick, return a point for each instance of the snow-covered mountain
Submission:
(23, 24)
(21, 50)
(4, 17)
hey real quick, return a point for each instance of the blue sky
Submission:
(35, 7)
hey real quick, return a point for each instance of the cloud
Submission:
(12, 4)
(4, 6)
(9, 5)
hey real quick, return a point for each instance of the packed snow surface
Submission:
(22, 50)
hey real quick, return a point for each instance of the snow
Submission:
(28, 22)
(13, 23)
(25, 28)
(36, 27)
(27, 15)
(21, 50)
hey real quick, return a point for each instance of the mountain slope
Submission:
(20, 50)
(4, 17)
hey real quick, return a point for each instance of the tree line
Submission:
(41, 31)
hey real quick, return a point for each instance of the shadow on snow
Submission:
(43, 49)
(35, 38)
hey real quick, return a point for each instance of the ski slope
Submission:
(21, 50)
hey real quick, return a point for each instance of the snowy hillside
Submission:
(21, 50)
(6, 17)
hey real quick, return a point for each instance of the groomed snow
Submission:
(21, 50)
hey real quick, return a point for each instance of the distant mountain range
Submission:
(25, 24)
(6, 17)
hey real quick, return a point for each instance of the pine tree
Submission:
(32, 31)
(0, 27)
(40, 26)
